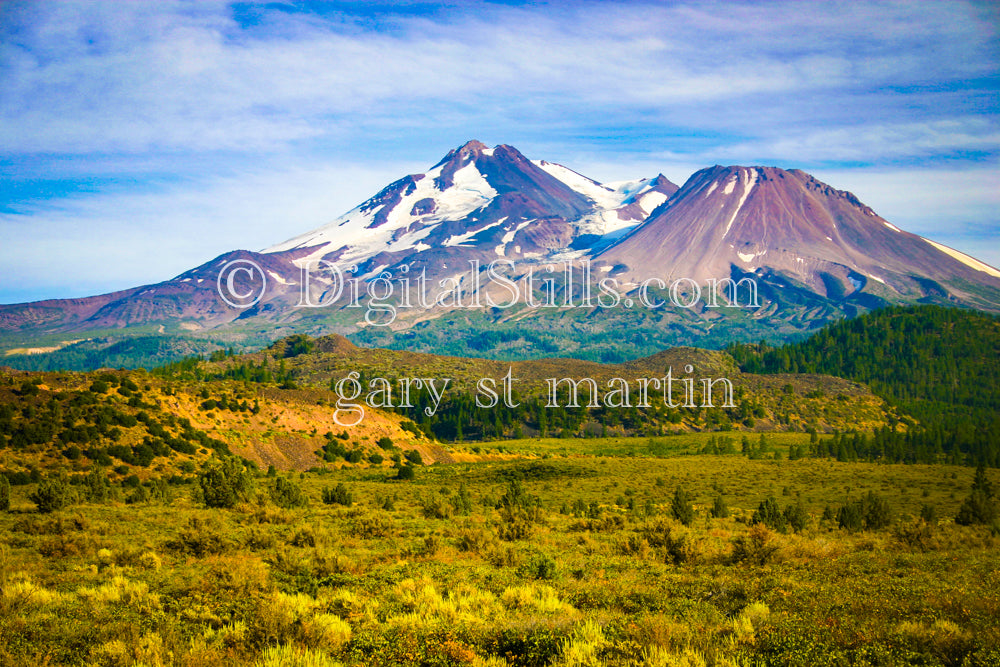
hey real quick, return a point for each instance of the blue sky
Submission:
(140, 139)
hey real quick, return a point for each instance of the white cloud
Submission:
(134, 76)
(866, 143)
(99, 243)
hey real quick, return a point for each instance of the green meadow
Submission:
(545, 552)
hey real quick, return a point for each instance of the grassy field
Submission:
(548, 552)
(679, 444)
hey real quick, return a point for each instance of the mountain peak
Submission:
(662, 181)
(470, 150)
(472, 145)
(755, 218)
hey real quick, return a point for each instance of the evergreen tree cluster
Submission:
(940, 366)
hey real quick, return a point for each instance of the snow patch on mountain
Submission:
(650, 201)
(965, 259)
(501, 250)
(606, 196)
(460, 239)
(749, 181)
(362, 239)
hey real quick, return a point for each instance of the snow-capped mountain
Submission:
(481, 203)
(817, 252)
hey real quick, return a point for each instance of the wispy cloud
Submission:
(134, 76)
(168, 110)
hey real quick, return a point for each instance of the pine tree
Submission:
(769, 514)
(978, 507)
(719, 508)
(680, 507)
(4, 494)
(981, 482)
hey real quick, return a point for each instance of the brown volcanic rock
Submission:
(55, 313)
(191, 299)
(754, 218)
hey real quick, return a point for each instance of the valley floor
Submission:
(558, 558)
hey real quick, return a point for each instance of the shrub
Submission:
(371, 525)
(405, 473)
(474, 540)
(796, 517)
(435, 508)
(29, 389)
(149, 560)
(877, 512)
(414, 457)
(385, 442)
(286, 493)
(680, 507)
(199, 538)
(850, 518)
(53, 494)
(303, 537)
(982, 483)
(462, 501)
(516, 524)
(871, 512)
(139, 495)
(977, 508)
(757, 546)
(339, 495)
(226, 482)
(917, 534)
(660, 535)
(540, 566)
(97, 486)
(298, 344)
(516, 496)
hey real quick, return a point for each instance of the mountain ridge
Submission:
(815, 253)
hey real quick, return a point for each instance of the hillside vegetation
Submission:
(212, 512)
(760, 402)
(939, 365)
